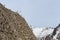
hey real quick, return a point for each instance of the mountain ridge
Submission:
(47, 33)
(13, 26)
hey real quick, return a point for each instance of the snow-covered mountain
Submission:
(41, 32)
(56, 33)
(47, 33)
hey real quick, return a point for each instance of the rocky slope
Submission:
(13, 26)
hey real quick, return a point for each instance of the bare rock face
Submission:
(55, 35)
(13, 26)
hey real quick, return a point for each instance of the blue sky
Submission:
(38, 13)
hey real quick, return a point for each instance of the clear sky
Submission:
(38, 13)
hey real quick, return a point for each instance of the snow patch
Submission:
(42, 32)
